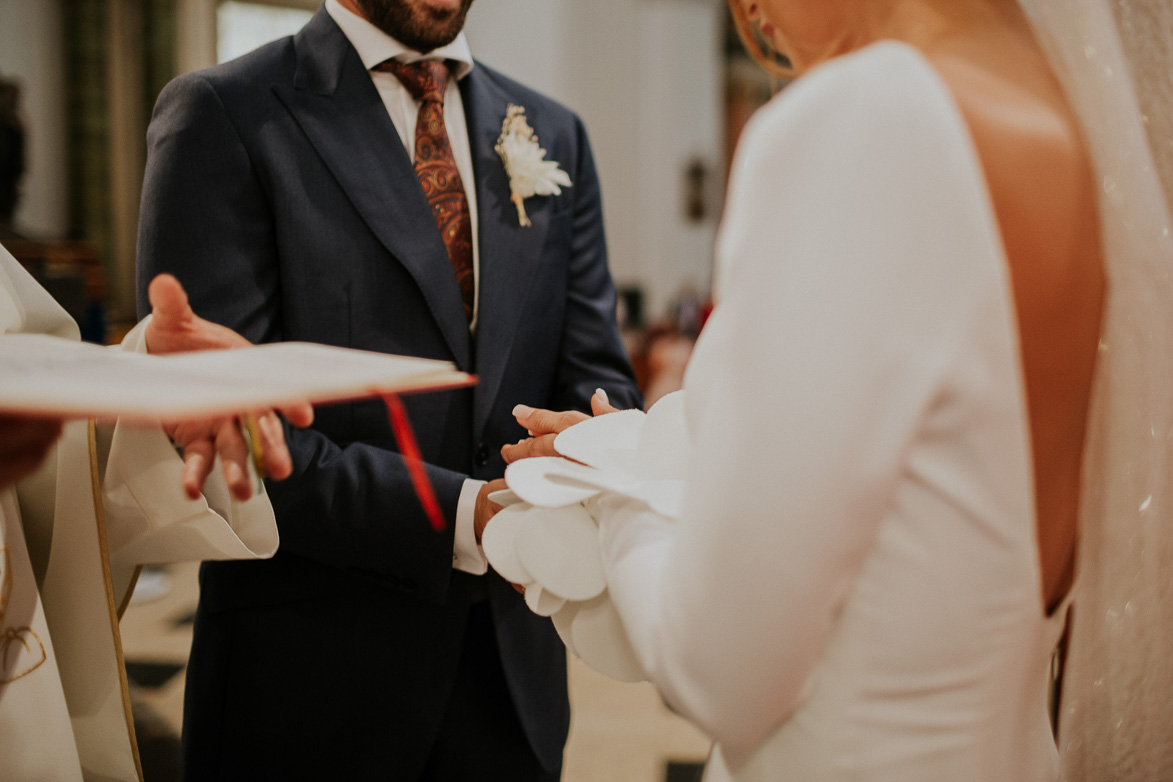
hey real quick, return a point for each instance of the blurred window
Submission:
(242, 27)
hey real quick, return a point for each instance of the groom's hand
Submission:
(544, 425)
(486, 509)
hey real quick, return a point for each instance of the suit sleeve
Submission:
(206, 219)
(592, 354)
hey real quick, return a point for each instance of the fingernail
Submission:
(521, 411)
(601, 394)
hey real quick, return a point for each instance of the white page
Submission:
(52, 376)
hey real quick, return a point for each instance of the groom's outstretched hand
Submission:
(175, 328)
(544, 425)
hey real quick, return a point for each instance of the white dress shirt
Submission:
(375, 46)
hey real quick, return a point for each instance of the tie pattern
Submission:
(436, 169)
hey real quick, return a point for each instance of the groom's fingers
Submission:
(485, 509)
(542, 445)
(542, 425)
(539, 422)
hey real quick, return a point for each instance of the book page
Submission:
(42, 375)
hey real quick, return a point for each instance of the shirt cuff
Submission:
(467, 554)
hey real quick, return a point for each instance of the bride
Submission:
(889, 407)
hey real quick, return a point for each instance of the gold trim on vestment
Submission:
(129, 591)
(12, 635)
(100, 514)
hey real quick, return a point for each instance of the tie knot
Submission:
(424, 79)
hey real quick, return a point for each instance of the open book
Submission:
(58, 377)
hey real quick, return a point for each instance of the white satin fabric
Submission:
(853, 589)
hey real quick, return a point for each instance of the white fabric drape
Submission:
(63, 705)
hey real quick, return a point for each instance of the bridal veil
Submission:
(1117, 701)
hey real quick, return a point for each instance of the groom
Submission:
(342, 187)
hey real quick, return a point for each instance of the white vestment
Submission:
(67, 566)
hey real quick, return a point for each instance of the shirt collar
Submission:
(375, 46)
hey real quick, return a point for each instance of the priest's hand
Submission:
(24, 444)
(203, 440)
(545, 425)
(175, 328)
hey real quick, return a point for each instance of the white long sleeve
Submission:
(151, 520)
(853, 233)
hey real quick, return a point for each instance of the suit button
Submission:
(482, 455)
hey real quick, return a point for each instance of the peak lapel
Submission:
(337, 106)
(509, 253)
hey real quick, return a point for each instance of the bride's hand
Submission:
(545, 425)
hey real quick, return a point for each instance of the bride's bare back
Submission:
(1043, 190)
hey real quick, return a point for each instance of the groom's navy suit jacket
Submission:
(280, 195)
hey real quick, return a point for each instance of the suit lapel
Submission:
(337, 106)
(508, 253)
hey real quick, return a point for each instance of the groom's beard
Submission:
(416, 24)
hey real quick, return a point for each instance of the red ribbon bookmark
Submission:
(410, 449)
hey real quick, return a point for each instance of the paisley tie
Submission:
(436, 168)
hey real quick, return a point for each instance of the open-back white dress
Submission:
(853, 589)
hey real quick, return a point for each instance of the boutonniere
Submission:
(525, 162)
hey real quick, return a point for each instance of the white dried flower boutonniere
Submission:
(525, 162)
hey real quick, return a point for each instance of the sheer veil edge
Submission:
(1117, 706)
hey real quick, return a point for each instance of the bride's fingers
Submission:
(600, 405)
(542, 445)
(540, 422)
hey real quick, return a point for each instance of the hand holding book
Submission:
(210, 381)
(175, 328)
